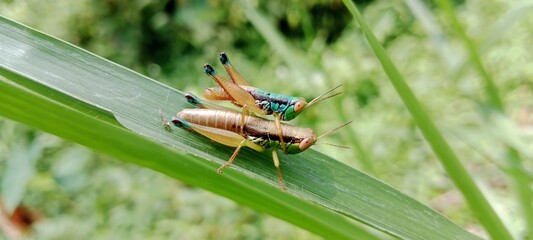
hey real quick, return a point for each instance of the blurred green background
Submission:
(297, 48)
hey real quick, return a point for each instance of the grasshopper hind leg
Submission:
(232, 72)
(230, 161)
(276, 163)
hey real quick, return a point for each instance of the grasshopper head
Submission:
(295, 148)
(295, 109)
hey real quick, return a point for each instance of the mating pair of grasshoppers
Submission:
(235, 129)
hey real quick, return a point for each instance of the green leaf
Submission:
(64, 90)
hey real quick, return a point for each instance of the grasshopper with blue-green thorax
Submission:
(258, 101)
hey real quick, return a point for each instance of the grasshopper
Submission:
(258, 101)
(225, 127)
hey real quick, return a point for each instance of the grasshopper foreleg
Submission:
(277, 118)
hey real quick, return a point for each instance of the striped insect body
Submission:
(259, 134)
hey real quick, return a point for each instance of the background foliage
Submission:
(170, 41)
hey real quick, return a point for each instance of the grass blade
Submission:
(518, 173)
(458, 174)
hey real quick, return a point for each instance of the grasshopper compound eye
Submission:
(300, 106)
(306, 143)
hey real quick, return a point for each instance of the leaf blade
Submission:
(61, 69)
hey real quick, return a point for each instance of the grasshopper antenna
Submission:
(334, 145)
(323, 96)
(333, 130)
